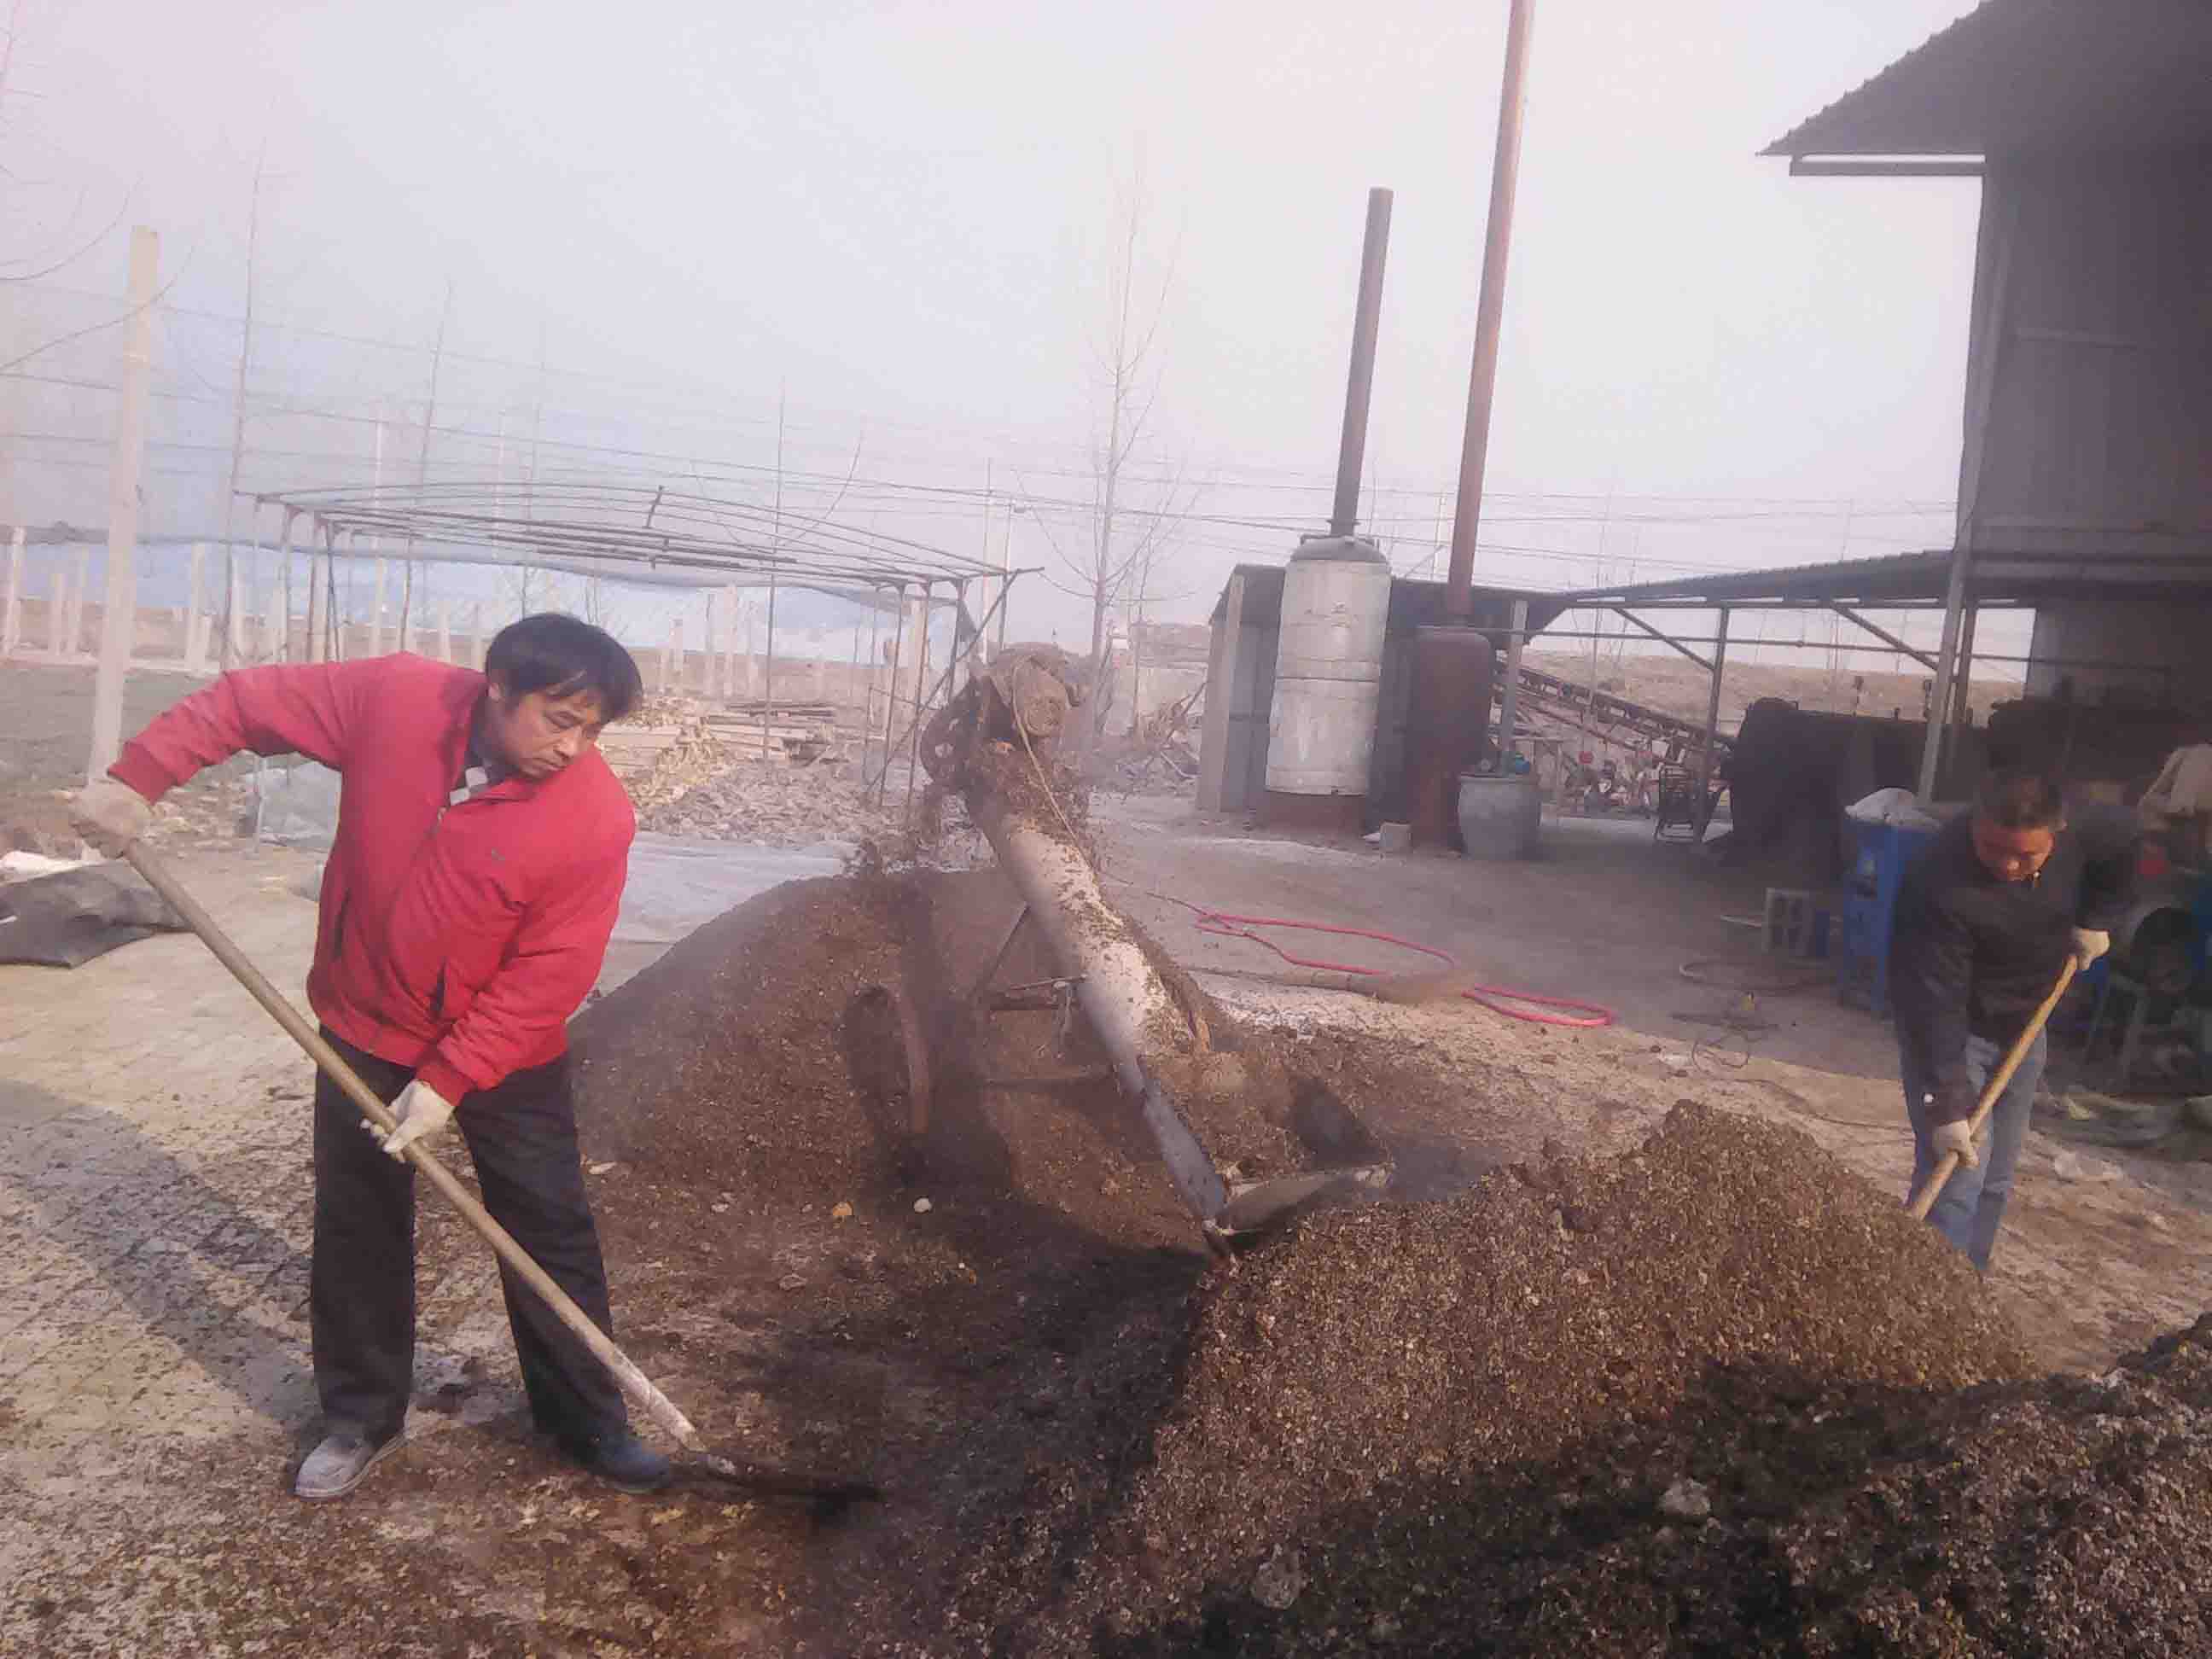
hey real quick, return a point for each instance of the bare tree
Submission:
(595, 602)
(528, 589)
(1132, 519)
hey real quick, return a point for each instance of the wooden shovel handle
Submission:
(1949, 1164)
(633, 1381)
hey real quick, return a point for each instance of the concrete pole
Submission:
(239, 620)
(79, 587)
(1490, 310)
(476, 636)
(11, 623)
(1712, 723)
(731, 612)
(195, 567)
(376, 616)
(119, 615)
(445, 631)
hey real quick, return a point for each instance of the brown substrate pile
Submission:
(1717, 1396)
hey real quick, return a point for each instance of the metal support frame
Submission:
(1883, 635)
(1955, 605)
(1628, 616)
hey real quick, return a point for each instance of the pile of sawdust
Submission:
(1398, 1371)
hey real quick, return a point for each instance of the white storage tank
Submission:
(1329, 668)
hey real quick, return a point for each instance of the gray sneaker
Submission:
(341, 1463)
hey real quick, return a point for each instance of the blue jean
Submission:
(1973, 1202)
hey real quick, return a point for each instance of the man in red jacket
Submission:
(480, 848)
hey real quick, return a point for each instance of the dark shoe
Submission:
(341, 1463)
(623, 1461)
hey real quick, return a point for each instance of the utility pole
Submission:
(120, 613)
(1490, 310)
(422, 463)
(238, 417)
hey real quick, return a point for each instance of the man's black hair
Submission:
(562, 655)
(2021, 800)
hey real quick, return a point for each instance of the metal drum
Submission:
(1500, 817)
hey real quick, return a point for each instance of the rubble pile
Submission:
(767, 804)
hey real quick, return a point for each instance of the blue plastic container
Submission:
(1879, 855)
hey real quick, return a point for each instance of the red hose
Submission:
(1228, 925)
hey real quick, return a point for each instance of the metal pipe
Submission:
(1490, 310)
(914, 737)
(890, 695)
(1359, 386)
(1509, 709)
(1712, 726)
(1947, 657)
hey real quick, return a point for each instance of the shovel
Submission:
(634, 1383)
(1949, 1164)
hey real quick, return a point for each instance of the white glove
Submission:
(421, 1111)
(2089, 944)
(1954, 1137)
(110, 815)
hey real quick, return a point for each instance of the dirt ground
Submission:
(968, 1355)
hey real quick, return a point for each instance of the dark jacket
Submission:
(1972, 955)
(454, 939)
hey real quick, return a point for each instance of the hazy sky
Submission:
(896, 212)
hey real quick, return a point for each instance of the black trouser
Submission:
(522, 1136)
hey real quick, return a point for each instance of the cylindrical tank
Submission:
(1329, 668)
(1500, 817)
(1445, 718)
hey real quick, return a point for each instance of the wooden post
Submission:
(11, 622)
(1221, 698)
(119, 612)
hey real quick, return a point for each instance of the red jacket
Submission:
(457, 941)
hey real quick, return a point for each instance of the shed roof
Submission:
(1912, 581)
(2032, 75)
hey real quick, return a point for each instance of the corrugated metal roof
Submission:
(1920, 579)
(2032, 75)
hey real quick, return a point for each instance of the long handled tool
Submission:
(634, 1383)
(1991, 1090)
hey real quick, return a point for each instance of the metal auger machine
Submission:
(994, 746)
